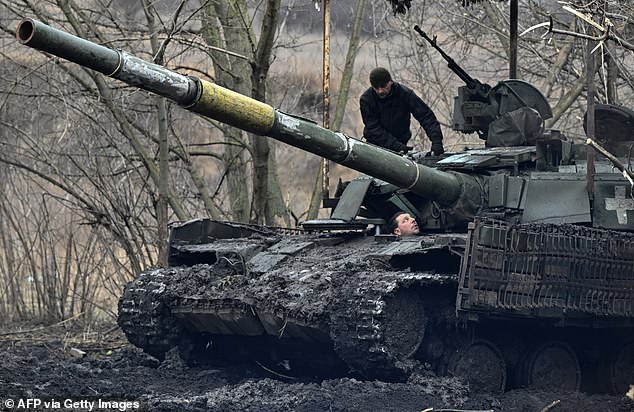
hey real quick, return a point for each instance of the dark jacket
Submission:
(387, 120)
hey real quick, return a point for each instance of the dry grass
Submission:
(69, 335)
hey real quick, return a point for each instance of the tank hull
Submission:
(350, 304)
(346, 294)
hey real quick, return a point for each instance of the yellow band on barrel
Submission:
(235, 109)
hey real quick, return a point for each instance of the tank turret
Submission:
(522, 266)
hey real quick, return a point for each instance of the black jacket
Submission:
(387, 120)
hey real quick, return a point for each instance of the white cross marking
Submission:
(620, 204)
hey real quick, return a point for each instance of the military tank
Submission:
(523, 276)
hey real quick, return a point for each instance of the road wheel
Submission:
(481, 364)
(617, 368)
(551, 365)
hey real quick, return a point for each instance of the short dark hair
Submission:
(379, 77)
(392, 224)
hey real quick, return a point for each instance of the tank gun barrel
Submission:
(226, 106)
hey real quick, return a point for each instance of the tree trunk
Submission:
(498, 21)
(348, 69)
(569, 98)
(266, 190)
(162, 219)
(613, 73)
(223, 24)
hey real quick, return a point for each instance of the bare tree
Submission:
(241, 63)
(89, 144)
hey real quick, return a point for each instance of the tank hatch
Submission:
(613, 125)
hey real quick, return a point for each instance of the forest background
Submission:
(83, 205)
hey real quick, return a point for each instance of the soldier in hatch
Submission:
(403, 224)
(386, 108)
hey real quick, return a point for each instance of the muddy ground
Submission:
(43, 364)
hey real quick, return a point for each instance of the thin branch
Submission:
(605, 31)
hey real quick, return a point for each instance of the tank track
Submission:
(366, 334)
(365, 321)
(145, 317)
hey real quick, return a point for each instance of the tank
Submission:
(523, 274)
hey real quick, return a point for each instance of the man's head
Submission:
(381, 82)
(403, 224)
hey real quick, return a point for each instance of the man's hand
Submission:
(437, 149)
(402, 148)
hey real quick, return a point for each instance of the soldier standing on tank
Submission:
(386, 108)
(403, 224)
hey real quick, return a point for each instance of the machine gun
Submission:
(473, 84)
(478, 104)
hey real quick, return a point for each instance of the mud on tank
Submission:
(524, 275)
